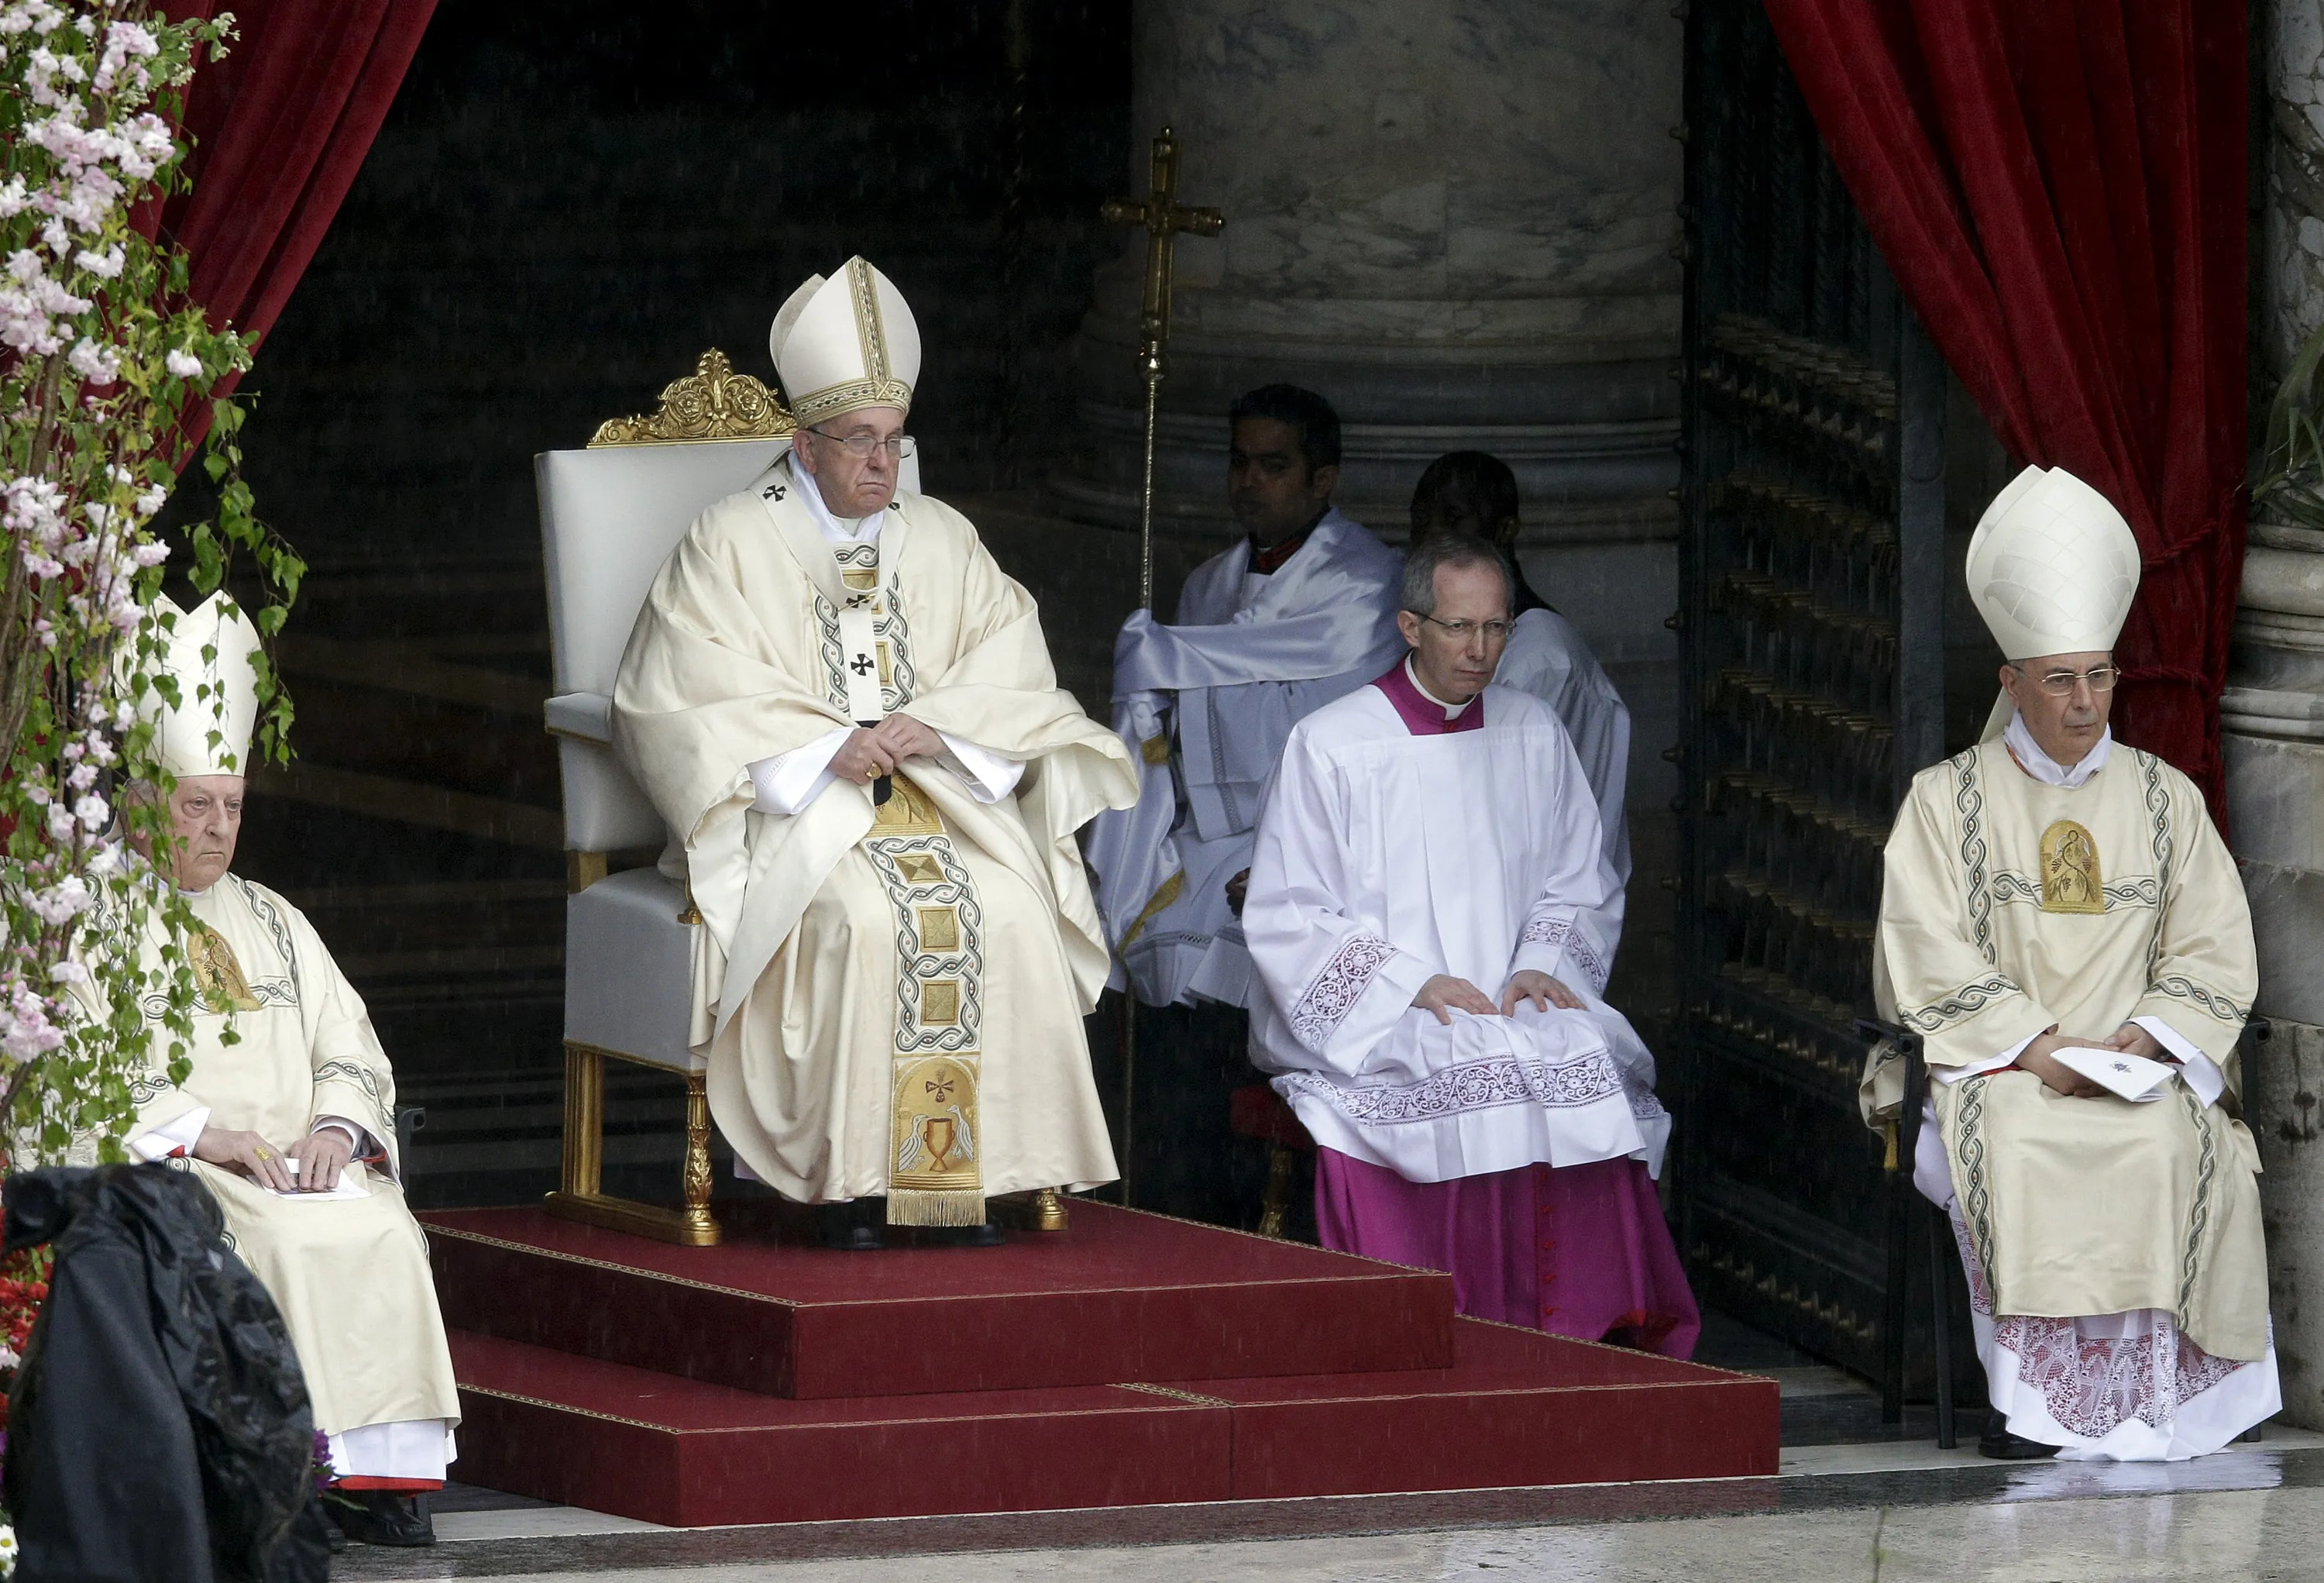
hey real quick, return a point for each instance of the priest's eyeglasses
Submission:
(1463, 630)
(896, 446)
(2061, 683)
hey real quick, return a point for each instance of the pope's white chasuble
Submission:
(889, 998)
(348, 1270)
(2011, 907)
(1386, 856)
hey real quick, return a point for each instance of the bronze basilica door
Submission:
(1810, 618)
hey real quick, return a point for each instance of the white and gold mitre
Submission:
(2053, 567)
(209, 654)
(846, 343)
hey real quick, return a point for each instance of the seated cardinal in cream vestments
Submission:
(287, 1116)
(847, 715)
(2064, 929)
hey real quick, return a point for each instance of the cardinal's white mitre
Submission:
(846, 343)
(2053, 567)
(217, 691)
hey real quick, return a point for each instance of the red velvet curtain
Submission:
(2058, 187)
(280, 127)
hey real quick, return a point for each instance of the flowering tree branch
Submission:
(101, 352)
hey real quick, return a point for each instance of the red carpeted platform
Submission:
(1120, 1296)
(1132, 1360)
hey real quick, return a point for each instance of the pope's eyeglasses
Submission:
(896, 446)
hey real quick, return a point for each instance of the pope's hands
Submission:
(863, 757)
(905, 738)
(247, 1153)
(322, 1155)
(1541, 990)
(1444, 994)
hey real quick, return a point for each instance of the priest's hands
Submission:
(322, 1155)
(1541, 990)
(2056, 1075)
(1444, 994)
(1237, 891)
(2133, 1039)
(247, 1153)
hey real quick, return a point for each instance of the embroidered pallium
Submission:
(935, 1174)
(859, 571)
(2071, 881)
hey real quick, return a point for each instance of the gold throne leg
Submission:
(581, 1194)
(1277, 1199)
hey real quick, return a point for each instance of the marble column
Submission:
(2272, 717)
(1456, 221)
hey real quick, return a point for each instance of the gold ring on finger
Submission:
(265, 1155)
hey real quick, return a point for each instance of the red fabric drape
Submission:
(2058, 187)
(280, 127)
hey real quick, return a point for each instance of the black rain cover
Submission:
(159, 1427)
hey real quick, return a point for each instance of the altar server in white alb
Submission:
(1434, 1010)
(1474, 493)
(847, 715)
(1299, 611)
(2060, 915)
(291, 1125)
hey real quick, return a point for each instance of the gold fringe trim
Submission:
(949, 1207)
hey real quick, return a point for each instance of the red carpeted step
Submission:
(1517, 1407)
(640, 1444)
(1121, 1296)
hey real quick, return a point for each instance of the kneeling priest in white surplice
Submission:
(846, 714)
(287, 1116)
(2063, 927)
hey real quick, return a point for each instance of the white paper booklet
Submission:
(351, 1186)
(2134, 1077)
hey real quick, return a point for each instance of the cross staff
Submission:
(1164, 217)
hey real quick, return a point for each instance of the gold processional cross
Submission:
(1164, 217)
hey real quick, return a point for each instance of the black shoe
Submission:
(856, 1226)
(988, 1234)
(380, 1517)
(1999, 1444)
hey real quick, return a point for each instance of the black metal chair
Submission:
(1904, 1139)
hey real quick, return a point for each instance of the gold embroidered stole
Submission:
(218, 975)
(934, 1135)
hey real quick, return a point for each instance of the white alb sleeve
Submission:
(1991, 1063)
(789, 782)
(988, 776)
(173, 1137)
(2202, 1073)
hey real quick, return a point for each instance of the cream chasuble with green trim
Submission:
(890, 1001)
(350, 1274)
(2009, 907)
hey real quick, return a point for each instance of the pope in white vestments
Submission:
(2063, 927)
(1298, 612)
(847, 715)
(1425, 863)
(291, 1125)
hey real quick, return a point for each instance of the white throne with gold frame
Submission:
(609, 516)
